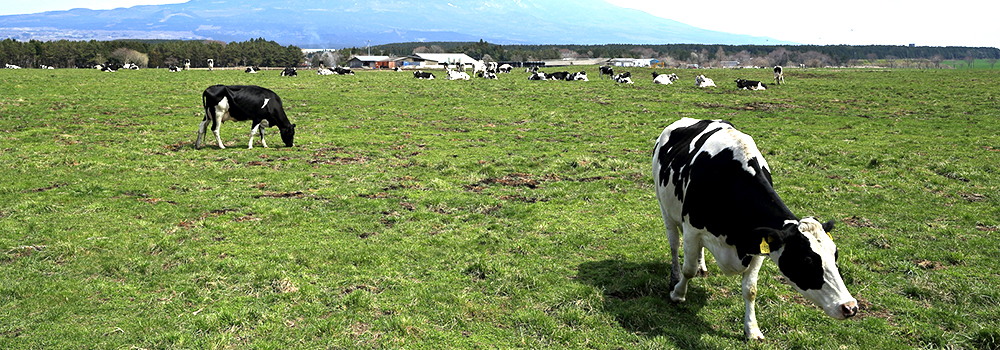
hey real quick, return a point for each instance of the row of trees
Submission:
(706, 55)
(148, 53)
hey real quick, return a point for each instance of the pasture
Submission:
(479, 214)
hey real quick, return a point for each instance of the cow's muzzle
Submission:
(849, 309)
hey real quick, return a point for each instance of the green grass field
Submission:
(976, 65)
(479, 214)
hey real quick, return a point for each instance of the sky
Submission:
(875, 22)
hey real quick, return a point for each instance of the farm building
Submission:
(730, 64)
(631, 62)
(369, 62)
(431, 59)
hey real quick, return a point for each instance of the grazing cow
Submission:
(581, 75)
(714, 188)
(187, 64)
(423, 75)
(289, 72)
(664, 79)
(537, 76)
(606, 70)
(457, 75)
(211, 64)
(702, 81)
(623, 78)
(505, 68)
(173, 69)
(244, 102)
(252, 69)
(779, 78)
(750, 84)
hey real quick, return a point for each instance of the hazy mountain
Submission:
(339, 23)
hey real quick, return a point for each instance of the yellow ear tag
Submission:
(831, 236)
(764, 247)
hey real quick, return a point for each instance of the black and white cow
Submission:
(423, 75)
(581, 75)
(623, 78)
(11, 66)
(252, 69)
(664, 79)
(173, 69)
(701, 81)
(714, 188)
(557, 75)
(244, 102)
(289, 72)
(605, 70)
(537, 76)
(187, 64)
(779, 78)
(488, 75)
(343, 71)
(505, 68)
(750, 84)
(211, 64)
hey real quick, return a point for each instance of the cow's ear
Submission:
(768, 238)
(828, 226)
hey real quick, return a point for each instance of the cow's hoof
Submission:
(756, 335)
(701, 273)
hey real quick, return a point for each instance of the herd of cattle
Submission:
(713, 186)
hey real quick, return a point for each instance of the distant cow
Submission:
(211, 64)
(173, 68)
(187, 64)
(343, 71)
(457, 75)
(244, 102)
(623, 78)
(131, 66)
(779, 78)
(324, 71)
(581, 75)
(11, 66)
(605, 70)
(557, 75)
(537, 76)
(702, 81)
(715, 191)
(505, 68)
(252, 69)
(289, 72)
(423, 75)
(664, 79)
(488, 75)
(750, 84)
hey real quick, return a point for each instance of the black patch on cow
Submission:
(800, 263)
(721, 196)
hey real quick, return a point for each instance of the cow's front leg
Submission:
(750, 328)
(253, 132)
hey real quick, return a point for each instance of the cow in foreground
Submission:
(779, 77)
(244, 102)
(714, 188)
(750, 84)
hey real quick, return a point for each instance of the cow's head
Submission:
(287, 135)
(807, 257)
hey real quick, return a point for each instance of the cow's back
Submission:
(712, 176)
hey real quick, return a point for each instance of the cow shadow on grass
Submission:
(638, 296)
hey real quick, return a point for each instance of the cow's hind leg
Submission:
(750, 327)
(693, 252)
(253, 132)
(201, 133)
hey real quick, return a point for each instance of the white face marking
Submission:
(265, 103)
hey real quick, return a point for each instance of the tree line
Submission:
(261, 52)
(148, 53)
(762, 55)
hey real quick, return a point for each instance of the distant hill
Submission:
(336, 24)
